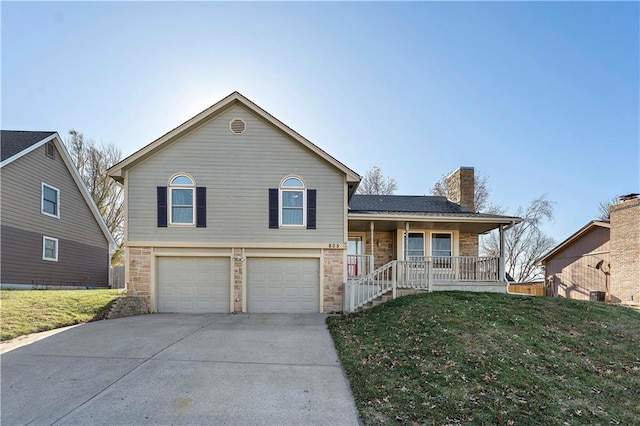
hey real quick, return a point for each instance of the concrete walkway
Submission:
(180, 369)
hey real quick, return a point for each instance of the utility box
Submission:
(596, 296)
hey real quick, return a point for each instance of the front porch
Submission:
(432, 273)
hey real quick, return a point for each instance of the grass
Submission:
(30, 311)
(479, 358)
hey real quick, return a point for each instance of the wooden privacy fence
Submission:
(533, 289)
(117, 277)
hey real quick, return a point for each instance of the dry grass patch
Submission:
(32, 311)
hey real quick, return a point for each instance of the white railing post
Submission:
(352, 297)
(393, 279)
(429, 273)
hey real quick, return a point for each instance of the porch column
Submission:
(501, 266)
(371, 259)
(406, 241)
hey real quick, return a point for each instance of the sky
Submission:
(542, 98)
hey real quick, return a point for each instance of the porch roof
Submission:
(391, 212)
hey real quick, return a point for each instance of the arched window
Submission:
(182, 200)
(293, 202)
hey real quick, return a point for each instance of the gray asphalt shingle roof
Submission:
(417, 205)
(15, 141)
(404, 204)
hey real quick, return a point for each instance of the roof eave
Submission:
(505, 220)
(579, 233)
(27, 150)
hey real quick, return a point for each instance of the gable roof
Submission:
(21, 143)
(575, 236)
(14, 142)
(233, 99)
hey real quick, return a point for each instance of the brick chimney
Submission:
(461, 187)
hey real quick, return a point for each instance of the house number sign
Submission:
(335, 245)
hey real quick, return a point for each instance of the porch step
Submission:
(382, 299)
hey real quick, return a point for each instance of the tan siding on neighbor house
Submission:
(21, 200)
(237, 171)
(571, 272)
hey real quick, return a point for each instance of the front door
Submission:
(355, 251)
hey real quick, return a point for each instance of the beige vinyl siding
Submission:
(237, 171)
(21, 200)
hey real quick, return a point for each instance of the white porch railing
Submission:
(359, 265)
(420, 273)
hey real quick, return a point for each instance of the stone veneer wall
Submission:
(333, 280)
(237, 279)
(625, 250)
(383, 250)
(139, 283)
(468, 244)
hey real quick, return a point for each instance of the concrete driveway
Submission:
(180, 369)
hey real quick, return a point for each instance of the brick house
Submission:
(233, 211)
(625, 248)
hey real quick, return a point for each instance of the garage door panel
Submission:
(283, 285)
(193, 285)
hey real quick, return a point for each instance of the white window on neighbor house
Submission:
(293, 202)
(50, 249)
(182, 200)
(50, 205)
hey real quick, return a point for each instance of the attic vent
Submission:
(237, 126)
(51, 150)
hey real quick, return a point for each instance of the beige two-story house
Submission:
(233, 211)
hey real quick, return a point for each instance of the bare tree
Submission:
(480, 196)
(604, 206)
(525, 242)
(375, 183)
(92, 161)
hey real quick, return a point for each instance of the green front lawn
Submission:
(30, 311)
(478, 358)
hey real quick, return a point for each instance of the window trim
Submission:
(281, 190)
(44, 249)
(192, 188)
(57, 216)
(432, 233)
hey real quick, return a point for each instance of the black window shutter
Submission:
(311, 209)
(273, 208)
(162, 207)
(201, 207)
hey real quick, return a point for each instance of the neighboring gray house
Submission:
(52, 233)
(233, 211)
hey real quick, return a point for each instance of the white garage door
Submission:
(281, 285)
(193, 285)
